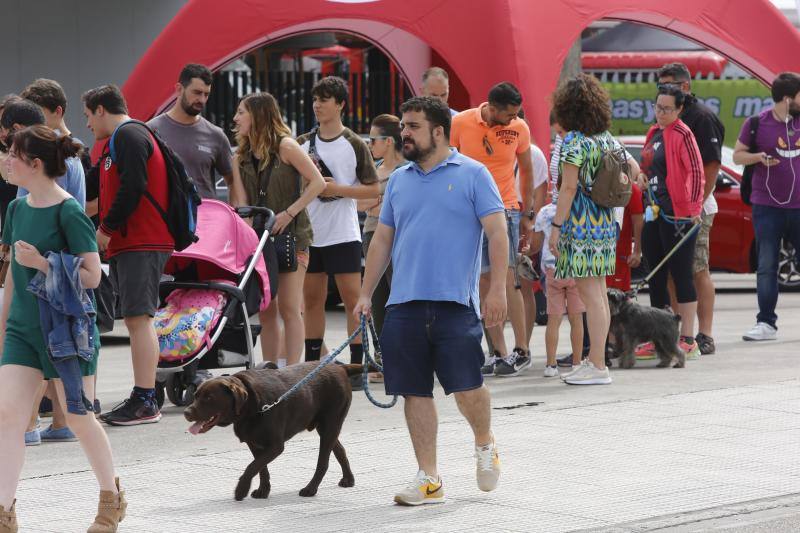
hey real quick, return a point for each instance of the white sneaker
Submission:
(488, 466)
(575, 369)
(589, 375)
(550, 371)
(424, 489)
(761, 332)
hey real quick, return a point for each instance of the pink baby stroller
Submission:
(217, 284)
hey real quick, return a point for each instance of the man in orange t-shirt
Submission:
(493, 134)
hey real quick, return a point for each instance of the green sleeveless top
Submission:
(285, 187)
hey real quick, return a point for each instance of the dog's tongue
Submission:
(194, 429)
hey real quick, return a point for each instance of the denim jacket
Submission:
(67, 318)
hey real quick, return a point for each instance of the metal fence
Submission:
(371, 93)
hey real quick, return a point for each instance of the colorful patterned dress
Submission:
(588, 240)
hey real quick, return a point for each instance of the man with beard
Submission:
(493, 134)
(434, 214)
(202, 146)
(773, 146)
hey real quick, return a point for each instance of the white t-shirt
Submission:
(539, 170)
(542, 224)
(350, 161)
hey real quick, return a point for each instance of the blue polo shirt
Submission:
(436, 254)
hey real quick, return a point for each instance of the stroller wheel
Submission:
(160, 393)
(178, 392)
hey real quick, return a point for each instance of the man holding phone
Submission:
(776, 192)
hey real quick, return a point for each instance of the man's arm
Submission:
(493, 307)
(133, 147)
(359, 192)
(710, 170)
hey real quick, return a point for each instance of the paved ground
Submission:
(709, 447)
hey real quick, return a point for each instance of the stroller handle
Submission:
(258, 214)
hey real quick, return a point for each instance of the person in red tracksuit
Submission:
(133, 236)
(672, 174)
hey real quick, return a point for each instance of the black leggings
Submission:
(658, 238)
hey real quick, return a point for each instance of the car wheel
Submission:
(788, 269)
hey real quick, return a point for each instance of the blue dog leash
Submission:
(361, 329)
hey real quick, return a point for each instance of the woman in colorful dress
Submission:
(584, 236)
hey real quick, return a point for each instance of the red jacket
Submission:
(143, 229)
(685, 177)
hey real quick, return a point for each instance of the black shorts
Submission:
(136, 276)
(343, 258)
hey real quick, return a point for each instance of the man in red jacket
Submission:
(133, 236)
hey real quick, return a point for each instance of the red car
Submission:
(732, 239)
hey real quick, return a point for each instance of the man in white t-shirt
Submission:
(349, 171)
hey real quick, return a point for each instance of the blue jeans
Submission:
(424, 337)
(512, 222)
(771, 225)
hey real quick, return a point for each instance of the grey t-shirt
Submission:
(202, 147)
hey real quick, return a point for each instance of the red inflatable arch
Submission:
(483, 41)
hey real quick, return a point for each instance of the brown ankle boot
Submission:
(8, 519)
(110, 511)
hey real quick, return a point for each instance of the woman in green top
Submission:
(583, 236)
(47, 220)
(267, 151)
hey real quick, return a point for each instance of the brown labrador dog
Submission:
(320, 404)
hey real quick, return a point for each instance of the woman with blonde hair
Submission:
(271, 170)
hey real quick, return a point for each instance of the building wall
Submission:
(79, 43)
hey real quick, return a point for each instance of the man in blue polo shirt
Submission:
(432, 221)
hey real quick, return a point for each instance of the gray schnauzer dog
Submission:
(633, 324)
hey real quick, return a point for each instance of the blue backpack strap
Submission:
(111, 151)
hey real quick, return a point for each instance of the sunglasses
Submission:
(667, 85)
(487, 145)
(379, 137)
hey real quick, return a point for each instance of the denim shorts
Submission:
(512, 221)
(423, 337)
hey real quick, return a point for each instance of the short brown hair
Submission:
(42, 143)
(108, 96)
(582, 104)
(46, 93)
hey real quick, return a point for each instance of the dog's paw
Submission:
(347, 482)
(241, 490)
(679, 364)
(307, 492)
(261, 493)
(663, 364)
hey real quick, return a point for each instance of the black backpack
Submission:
(183, 199)
(747, 176)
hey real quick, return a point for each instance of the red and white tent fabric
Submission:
(482, 41)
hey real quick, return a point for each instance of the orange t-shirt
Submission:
(467, 133)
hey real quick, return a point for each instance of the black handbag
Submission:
(285, 244)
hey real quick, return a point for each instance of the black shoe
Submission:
(132, 412)
(512, 365)
(705, 343)
(566, 361)
(96, 407)
(46, 407)
(357, 382)
(491, 364)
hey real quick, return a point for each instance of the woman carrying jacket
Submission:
(672, 174)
